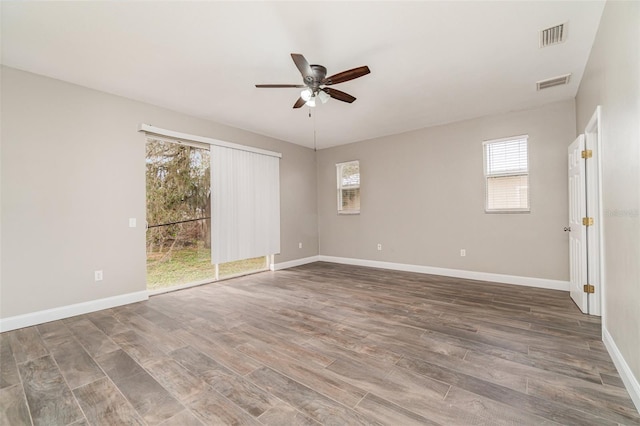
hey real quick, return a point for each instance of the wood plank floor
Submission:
(319, 344)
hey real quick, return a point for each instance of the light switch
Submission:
(132, 222)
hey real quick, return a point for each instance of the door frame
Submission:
(595, 247)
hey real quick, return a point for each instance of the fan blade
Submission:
(339, 95)
(302, 64)
(299, 103)
(273, 86)
(343, 76)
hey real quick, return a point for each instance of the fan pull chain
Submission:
(314, 131)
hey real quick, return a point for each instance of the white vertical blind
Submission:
(245, 204)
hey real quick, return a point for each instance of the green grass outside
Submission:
(192, 264)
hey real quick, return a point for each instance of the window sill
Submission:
(507, 211)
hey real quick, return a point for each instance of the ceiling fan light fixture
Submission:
(323, 96)
(306, 94)
(311, 102)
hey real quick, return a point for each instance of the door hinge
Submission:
(587, 153)
(587, 221)
(588, 288)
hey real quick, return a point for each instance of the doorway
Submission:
(178, 197)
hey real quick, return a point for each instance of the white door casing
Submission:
(594, 210)
(577, 231)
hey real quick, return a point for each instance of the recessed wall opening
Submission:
(178, 240)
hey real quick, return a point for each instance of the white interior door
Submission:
(594, 210)
(577, 231)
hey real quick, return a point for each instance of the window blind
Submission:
(507, 157)
(507, 175)
(348, 179)
(245, 204)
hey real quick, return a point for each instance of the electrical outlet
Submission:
(98, 275)
(379, 247)
(299, 245)
(132, 222)
(463, 252)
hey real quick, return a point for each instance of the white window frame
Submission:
(506, 174)
(340, 187)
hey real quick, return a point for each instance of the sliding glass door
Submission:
(178, 214)
(178, 181)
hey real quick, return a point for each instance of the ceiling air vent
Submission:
(555, 81)
(553, 35)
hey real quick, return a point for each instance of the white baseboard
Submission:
(40, 317)
(295, 262)
(457, 273)
(629, 380)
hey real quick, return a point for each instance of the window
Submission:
(506, 171)
(348, 178)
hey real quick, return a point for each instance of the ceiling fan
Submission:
(315, 79)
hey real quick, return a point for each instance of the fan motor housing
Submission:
(319, 74)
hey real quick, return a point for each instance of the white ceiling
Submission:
(431, 62)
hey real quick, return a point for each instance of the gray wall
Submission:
(72, 174)
(423, 198)
(612, 80)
